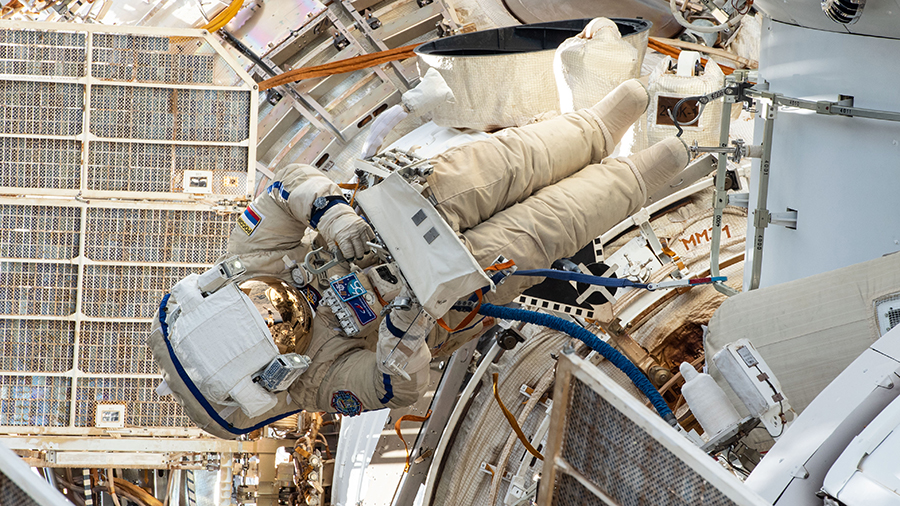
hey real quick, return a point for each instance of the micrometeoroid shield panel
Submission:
(605, 446)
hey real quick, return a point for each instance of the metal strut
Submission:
(739, 89)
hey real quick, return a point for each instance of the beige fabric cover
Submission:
(593, 63)
(667, 84)
(807, 330)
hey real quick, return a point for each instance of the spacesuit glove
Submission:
(381, 127)
(430, 93)
(343, 226)
(396, 354)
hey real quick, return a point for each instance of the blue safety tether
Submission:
(595, 343)
(580, 278)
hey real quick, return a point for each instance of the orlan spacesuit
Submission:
(532, 194)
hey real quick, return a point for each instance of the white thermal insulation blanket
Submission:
(807, 330)
(496, 91)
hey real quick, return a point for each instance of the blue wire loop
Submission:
(595, 343)
(581, 278)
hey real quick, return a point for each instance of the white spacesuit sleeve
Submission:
(273, 225)
(296, 186)
(264, 234)
(355, 379)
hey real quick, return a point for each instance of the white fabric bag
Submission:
(588, 66)
(666, 89)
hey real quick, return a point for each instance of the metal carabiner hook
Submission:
(336, 258)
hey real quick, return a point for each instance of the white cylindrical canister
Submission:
(708, 402)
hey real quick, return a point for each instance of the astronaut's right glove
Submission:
(402, 334)
(431, 92)
(340, 224)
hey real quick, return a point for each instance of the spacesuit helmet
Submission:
(285, 309)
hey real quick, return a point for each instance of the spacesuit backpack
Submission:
(218, 357)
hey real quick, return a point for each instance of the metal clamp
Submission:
(409, 165)
(739, 200)
(313, 255)
(682, 283)
(401, 303)
(787, 219)
(740, 150)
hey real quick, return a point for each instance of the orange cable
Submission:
(340, 66)
(467, 320)
(513, 423)
(662, 47)
(224, 16)
(409, 418)
(471, 316)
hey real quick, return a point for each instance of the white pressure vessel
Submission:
(707, 401)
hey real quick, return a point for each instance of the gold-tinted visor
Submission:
(285, 310)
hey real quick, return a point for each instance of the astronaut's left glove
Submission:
(341, 225)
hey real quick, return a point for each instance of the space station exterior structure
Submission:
(155, 137)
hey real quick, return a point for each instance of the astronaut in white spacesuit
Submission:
(532, 194)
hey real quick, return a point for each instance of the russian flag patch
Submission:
(250, 219)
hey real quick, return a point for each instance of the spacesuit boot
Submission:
(619, 110)
(655, 166)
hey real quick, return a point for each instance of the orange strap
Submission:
(350, 186)
(513, 423)
(408, 418)
(662, 47)
(381, 300)
(471, 316)
(340, 66)
(499, 267)
(467, 320)
(674, 256)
